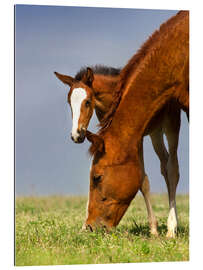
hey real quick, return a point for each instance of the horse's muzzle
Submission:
(86, 227)
(93, 227)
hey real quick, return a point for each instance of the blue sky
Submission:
(51, 38)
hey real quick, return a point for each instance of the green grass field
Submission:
(48, 232)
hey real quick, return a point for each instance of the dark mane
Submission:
(133, 63)
(98, 69)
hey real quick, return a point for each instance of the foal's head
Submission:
(82, 102)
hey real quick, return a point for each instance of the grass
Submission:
(48, 232)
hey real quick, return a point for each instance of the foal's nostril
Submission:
(82, 131)
(78, 139)
(81, 139)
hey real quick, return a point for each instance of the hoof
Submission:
(171, 234)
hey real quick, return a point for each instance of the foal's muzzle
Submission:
(79, 137)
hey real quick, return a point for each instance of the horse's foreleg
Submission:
(162, 153)
(172, 129)
(145, 189)
(160, 149)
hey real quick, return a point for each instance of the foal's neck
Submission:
(104, 87)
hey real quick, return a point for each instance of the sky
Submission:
(63, 39)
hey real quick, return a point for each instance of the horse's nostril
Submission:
(89, 227)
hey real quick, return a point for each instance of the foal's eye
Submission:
(87, 103)
(97, 179)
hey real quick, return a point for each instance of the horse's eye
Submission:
(97, 178)
(87, 103)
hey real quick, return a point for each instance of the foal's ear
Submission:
(88, 77)
(65, 79)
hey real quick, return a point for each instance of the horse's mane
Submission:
(132, 64)
(98, 69)
(126, 72)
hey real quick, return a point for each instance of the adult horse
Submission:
(104, 82)
(157, 74)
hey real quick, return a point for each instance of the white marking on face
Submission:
(76, 99)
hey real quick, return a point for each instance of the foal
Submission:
(104, 81)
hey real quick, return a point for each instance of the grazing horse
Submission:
(155, 77)
(104, 82)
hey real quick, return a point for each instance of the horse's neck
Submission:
(159, 77)
(104, 87)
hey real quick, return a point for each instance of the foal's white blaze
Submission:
(76, 99)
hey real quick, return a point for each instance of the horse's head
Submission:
(112, 187)
(82, 102)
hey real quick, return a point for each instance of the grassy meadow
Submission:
(48, 232)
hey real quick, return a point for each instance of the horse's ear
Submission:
(88, 77)
(97, 143)
(65, 79)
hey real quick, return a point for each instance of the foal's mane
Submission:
(98, 69)
(132, 65)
